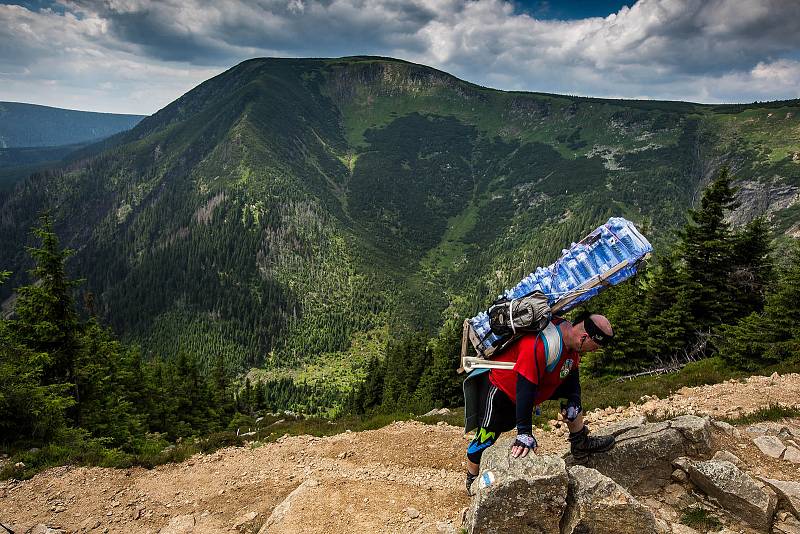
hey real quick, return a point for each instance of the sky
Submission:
(136, 56)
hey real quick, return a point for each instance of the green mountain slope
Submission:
(291, 214)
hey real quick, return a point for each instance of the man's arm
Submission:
(526, 396)
(527, 368)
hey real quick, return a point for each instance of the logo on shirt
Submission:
(565, 369)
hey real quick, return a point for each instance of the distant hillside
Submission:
(30, 125)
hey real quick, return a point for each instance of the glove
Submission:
(525, 442)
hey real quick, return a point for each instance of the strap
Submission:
(511, 316)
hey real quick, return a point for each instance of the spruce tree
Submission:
(752, 267)
(770, 336)
(707, 248)
(45, 317)
(29, 410)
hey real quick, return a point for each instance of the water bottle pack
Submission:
(615, 242)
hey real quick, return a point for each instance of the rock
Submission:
(179, 525)
(44, 529)
(623, 426)
(14, 528)
(678, 528)
(446, 527)
(679, 475)
(675, 495)
(727, 429)
(641, 460)
(697, 430)
(248, 522)
(518, 494)
(770, 445)
(598, 505)
(411, 512)
(735, 490)
(728, 457)
(771, 428)
(280, 511)
(682, 462)
(89, 524)
(19, 465)
(431, 413)
(788, 493)
(443, 411)
(792, 455)
(790, 525)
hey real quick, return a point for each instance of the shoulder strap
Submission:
(553, 345)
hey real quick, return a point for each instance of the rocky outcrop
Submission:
(788, 493)
(272, 524)
(181, 524)
(770, 445)
(518, 494)
(736, 491)
(757, 198)
(641, 460)
(598, 505)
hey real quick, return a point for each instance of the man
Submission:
(546, 367)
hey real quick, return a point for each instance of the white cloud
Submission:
(137, 55)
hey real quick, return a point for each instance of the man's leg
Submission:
(581, 443)
(499, 416)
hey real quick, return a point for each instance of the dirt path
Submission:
(406, 477)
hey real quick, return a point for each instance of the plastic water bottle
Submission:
(585, 264)
(575, 270)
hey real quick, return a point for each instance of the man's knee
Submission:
(483, 440)
(572, 408)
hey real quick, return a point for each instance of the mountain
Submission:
(294, 214)
(30, 125)
(34, 137)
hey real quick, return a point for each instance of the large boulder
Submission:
(518, 494)
(641, 460)
(736, 491)
(788, 493)
(598, 505)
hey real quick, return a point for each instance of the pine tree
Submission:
(29, 410)
(707, 249)
(752, 268)
(46, 320)
(666, 317)
(770, 336)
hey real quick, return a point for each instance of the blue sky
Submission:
(136, 56)
(569, 10)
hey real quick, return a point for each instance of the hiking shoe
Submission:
(581, 444)
(470, 479)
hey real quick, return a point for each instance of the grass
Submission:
(700, 519)
(773, 412)
(607, 391)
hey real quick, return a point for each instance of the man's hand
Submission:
(523, 444)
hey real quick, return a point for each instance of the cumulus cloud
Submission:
(137, 55)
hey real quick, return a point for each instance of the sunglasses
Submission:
(595, 334)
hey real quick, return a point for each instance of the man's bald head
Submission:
(603, 323)
(589, 337)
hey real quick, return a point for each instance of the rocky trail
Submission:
(408, 476)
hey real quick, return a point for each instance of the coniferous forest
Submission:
(74, 392)
(309, 235)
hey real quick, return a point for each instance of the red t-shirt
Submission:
(531, 362)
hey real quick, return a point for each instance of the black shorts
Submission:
(500, 414)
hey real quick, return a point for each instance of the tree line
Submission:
(716, 291)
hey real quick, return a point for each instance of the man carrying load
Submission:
(545, 368)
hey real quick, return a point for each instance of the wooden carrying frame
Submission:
(468, 336)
